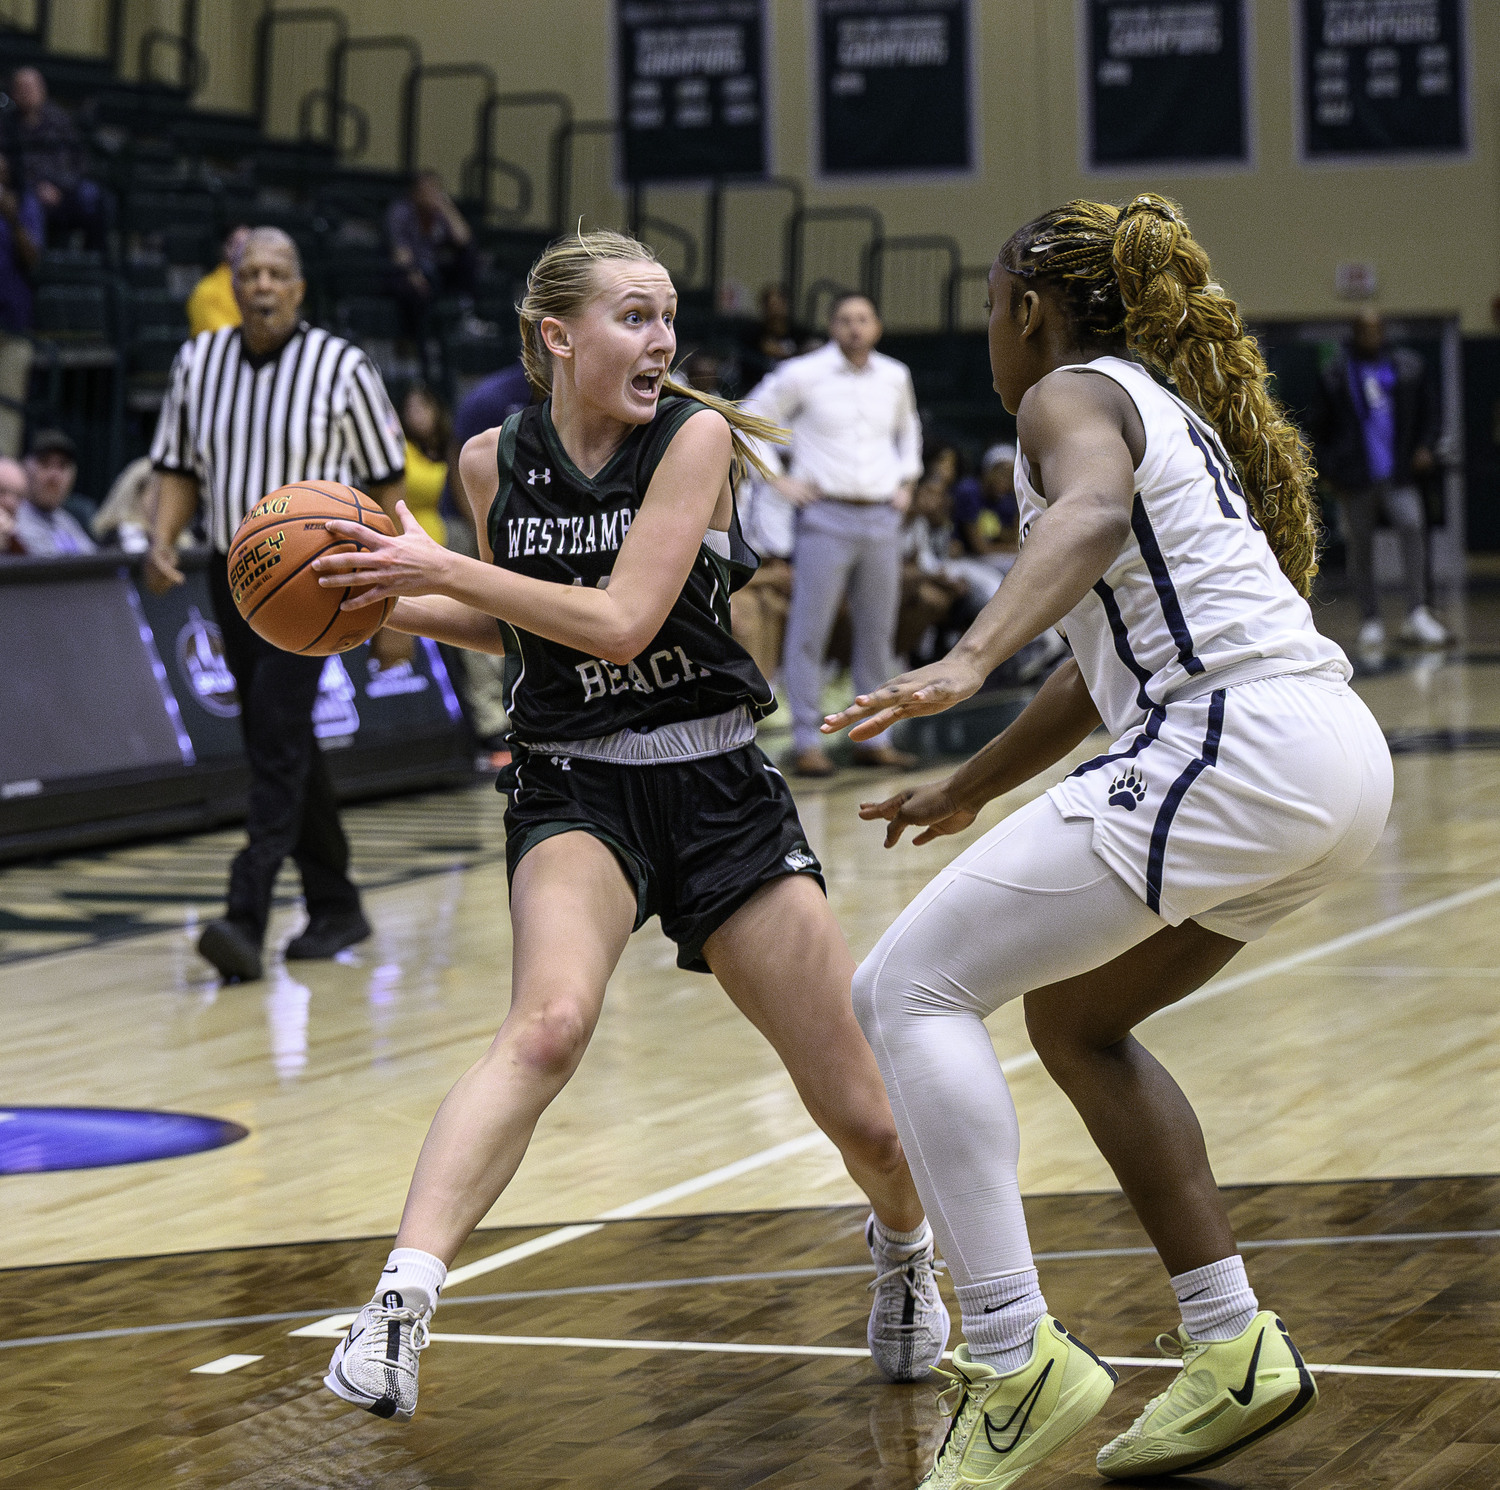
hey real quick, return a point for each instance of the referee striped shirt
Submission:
(316, 411)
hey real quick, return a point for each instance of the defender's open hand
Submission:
(931, 808)
(925, 690)
(410, 563)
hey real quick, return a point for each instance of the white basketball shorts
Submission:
(1235, 808)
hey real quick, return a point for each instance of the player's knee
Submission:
(870, 1140)
(1063, 1049)
(551, 1040)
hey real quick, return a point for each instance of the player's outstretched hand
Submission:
(411, 563)
(925, 690)
(930, 808)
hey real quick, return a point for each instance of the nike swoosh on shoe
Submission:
(1029, 1401)
(1243, 1394)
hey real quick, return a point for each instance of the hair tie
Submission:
(1150, 204)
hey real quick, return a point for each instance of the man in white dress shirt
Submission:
(855, 457)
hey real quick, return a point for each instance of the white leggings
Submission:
(1028, 905)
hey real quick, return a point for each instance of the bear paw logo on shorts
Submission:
(1127, 790)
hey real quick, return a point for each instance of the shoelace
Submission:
(420, 1337)
(1171, 1346)
(913, 1268)
(947, 1403)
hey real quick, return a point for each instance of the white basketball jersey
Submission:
(1195, 600)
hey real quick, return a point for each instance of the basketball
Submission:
(271, 575)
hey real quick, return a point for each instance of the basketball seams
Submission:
(309, 504)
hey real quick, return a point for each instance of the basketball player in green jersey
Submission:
(636, 787)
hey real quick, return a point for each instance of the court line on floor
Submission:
(634, 1208)
(707, 1280)
(1376, 929)
(326, 1330)
(815, 1139)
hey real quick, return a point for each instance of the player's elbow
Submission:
(623, 644)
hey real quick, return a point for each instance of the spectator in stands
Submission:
(984, 509)
(703, 370)
(487, 405)
(14, 489)
(212, 304)
(47, 158)
(428, 431)
(53, 468)
(22, 231)
(129, 510)
(1376, 425)
(44, 525)
(759, 608)
(432, 249)
(856, 453)
(772, 340)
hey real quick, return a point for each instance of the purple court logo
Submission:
(34, 1140)
(200, 655)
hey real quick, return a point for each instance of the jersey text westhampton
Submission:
(552, 522)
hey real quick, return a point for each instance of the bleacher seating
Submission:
(182, 177)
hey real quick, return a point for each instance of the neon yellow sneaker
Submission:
(1229, 1394)
(1003, 1425)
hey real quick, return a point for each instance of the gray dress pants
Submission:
(842, 548)
(1360, 511)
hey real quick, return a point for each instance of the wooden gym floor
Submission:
(1345, 1070)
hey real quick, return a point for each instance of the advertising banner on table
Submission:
(894, 92)
(1165, 84)
(692, 88)
(1383, 78)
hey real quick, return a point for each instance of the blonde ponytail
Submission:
(1136, 274)
(562, 282)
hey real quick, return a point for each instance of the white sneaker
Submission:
(375, 1365)
(909, 1323)
(1424, 628)
(1372, 633)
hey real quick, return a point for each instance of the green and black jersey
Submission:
(551, 522)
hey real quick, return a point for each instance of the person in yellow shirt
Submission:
(212, 303)
(428, 431)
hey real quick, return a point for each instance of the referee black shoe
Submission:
(326, 936)
(233, 948)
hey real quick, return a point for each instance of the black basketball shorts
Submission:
(696, 838)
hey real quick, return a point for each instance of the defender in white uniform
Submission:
(1171, 537)
(1207, 805)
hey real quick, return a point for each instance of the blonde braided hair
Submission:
(562, 282)
(1136, 274)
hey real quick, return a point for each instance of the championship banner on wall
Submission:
(1165, 84)
(1383, 78)
(894, 93)
(692, 87)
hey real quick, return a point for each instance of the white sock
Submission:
(898, 1245)
(1217, 1302)
(1000, 1317)
(414, 1278)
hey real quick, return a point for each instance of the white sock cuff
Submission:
(1217, 1301)
(414, 1273)
(901, 1241)
(1000, 1316)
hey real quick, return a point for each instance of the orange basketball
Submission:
(271, 575)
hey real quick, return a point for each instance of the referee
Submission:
(249, 409)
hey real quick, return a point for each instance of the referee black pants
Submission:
(292, 806)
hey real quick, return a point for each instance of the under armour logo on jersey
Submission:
(1127, 790)
(544, 476)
